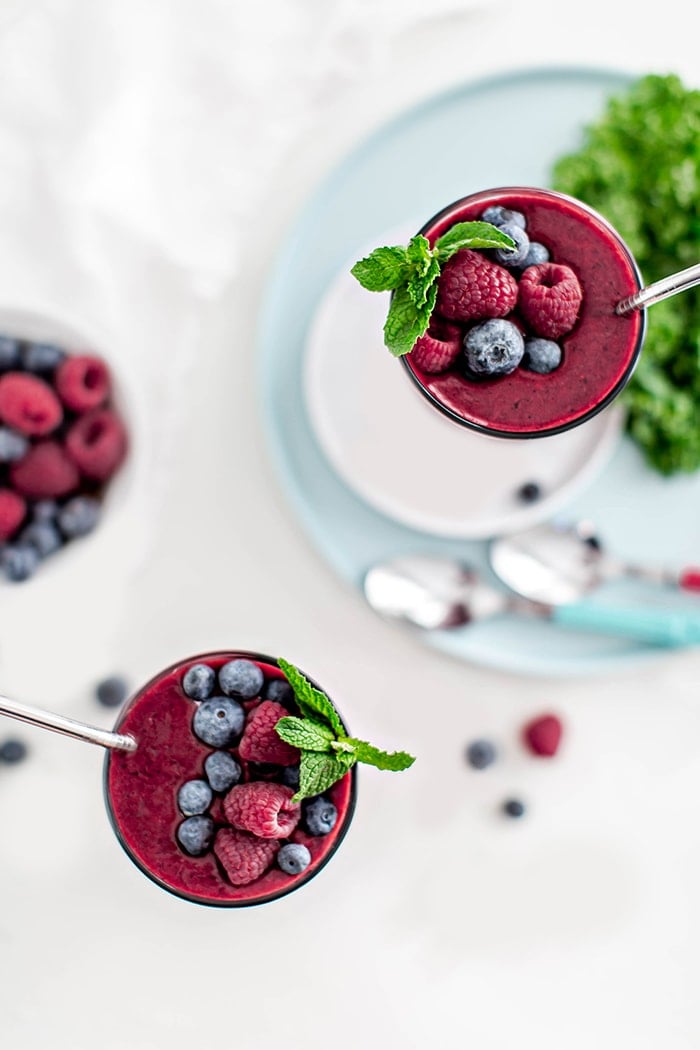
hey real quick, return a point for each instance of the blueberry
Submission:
(112, 691)
(497, 215)
(12, 445)
(222, 770)
(43, 536)
(537, 253)
(481, 754)
(79, 516)
(241, 678)
(593, 542)
(199, 681)
(264, 770)
(493, 348)
(513, 807)
(218, 721)
(529, 492)
(290, 777)
(320, 815)
(12, 751)
(541, 355)
(41, 357)
(194, 797)
(513, 256)
(18, 561)
(45, 510)
(279, 690)
(195, 835)
(9, 353)
(293, 858)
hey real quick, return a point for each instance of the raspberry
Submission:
(244, 857)
(83, 383)
(28, 404)
(438, 348)
(263, 808)
(97, 443)
(549, 299)
(12, 512)
(45, 472)
(471, 288)
(542, 735)
(260, 742)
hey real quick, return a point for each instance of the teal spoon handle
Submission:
(655, 626)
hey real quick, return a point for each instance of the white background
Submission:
(151, 156)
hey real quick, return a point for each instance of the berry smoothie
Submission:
(571, 376)
(204, 806)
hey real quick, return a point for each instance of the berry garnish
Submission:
(549, 299)
(112, 691)
(9, 353)
(513, 256)
(320, 815)
(500, 216)
(195, 835)
(513, 807)
(96, 443)
(481, 754)
(41, 357)
(218, 721)
(12, 445)
(222, 771)
(437, 349)
(43, 536)
(13, 510)
(83, 383)
(541, 355)
(472, 288)
(293, 858)
(19, 561)
(261, 742)
(45, 472)
(194, 797)
(279, 690)
(262, 808)
(13, 751)
(542, 735)
(199, 682)
(493, 348)
(28, 404)
(241, 678)
(244, 857)
(79, 516)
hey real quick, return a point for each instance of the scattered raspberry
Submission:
(472, 288)
(12, 513)
(549, 299)
(263, 808)
(83, 383)
(97, 444)
(244, 857)
(542, 735)
(438, 349)
(28, 404)
(45, 472)
(260, 742)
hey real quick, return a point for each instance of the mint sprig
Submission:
(327, 752)
(412, 273)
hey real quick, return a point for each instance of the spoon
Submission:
(37, 716)
(439, 593)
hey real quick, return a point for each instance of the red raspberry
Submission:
(260, 742)
(83, 382)
(244, 857)
(438, 349)
(549, 299)
(263, 808)
(97, 443)
(45, 472)
(12, 513)
(28, 404)
(542, 735)
(472, 288)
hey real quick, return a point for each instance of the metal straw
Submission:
(36, 716)
(654, 293)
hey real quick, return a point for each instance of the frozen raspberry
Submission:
(45, 472)
(549, 298)
(260, 742)
(438, 349)
(263, 808)
(243, 857)
(12, 513)
(542, 735)
(97, 443)
(471, 288)
(28, 404)
(83, 383)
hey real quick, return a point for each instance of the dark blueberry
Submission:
(241, 678)
(199, 681)
(517, 255)
(264, 771)
(497, 215)
(493, 348)
(541, 355)
(45, 510)
(218, 721)
(18, 561)
(43, 536)
(112, 691)
(320, 815)
(290, 777)
(194, 797)
(529, 492)
(481, 754)
(79, 516)
(12, 445)
(293, 858)
(9, 353)
(279, 690)
(513, 807)
(537, 253)
(41, 357)
(195, 835)
(12, 751)
(222, 770)
(593, 542)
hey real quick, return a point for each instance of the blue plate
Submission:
(413, 166)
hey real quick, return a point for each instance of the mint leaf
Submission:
(419, 254)
(311, 702)
(383, 270)
(373, 756)
(304, 734)
(406, 321)
(318, 772)
(419, 286)
(471, 235)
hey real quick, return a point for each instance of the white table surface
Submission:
(438, 924)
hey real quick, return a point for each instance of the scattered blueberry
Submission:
(529, 492)
(497, 215)
(320, 815)
(9, 353)
(293, 858)
(290, 776)
(195, 835)
(43, 536)
(199, 681)
(194, 797)
(12, 445)
(241, 678)
(493, 348)
(537, 253)
(45, 510)
(12, 751)
(513, 256)
(481, 754)
(112, 691)
(79, 516)
(218, 721)
(279, 690)
(541, 355)
(41, 357)
(593, 542)
(18, 561)
(513, 807)
(222, 770)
